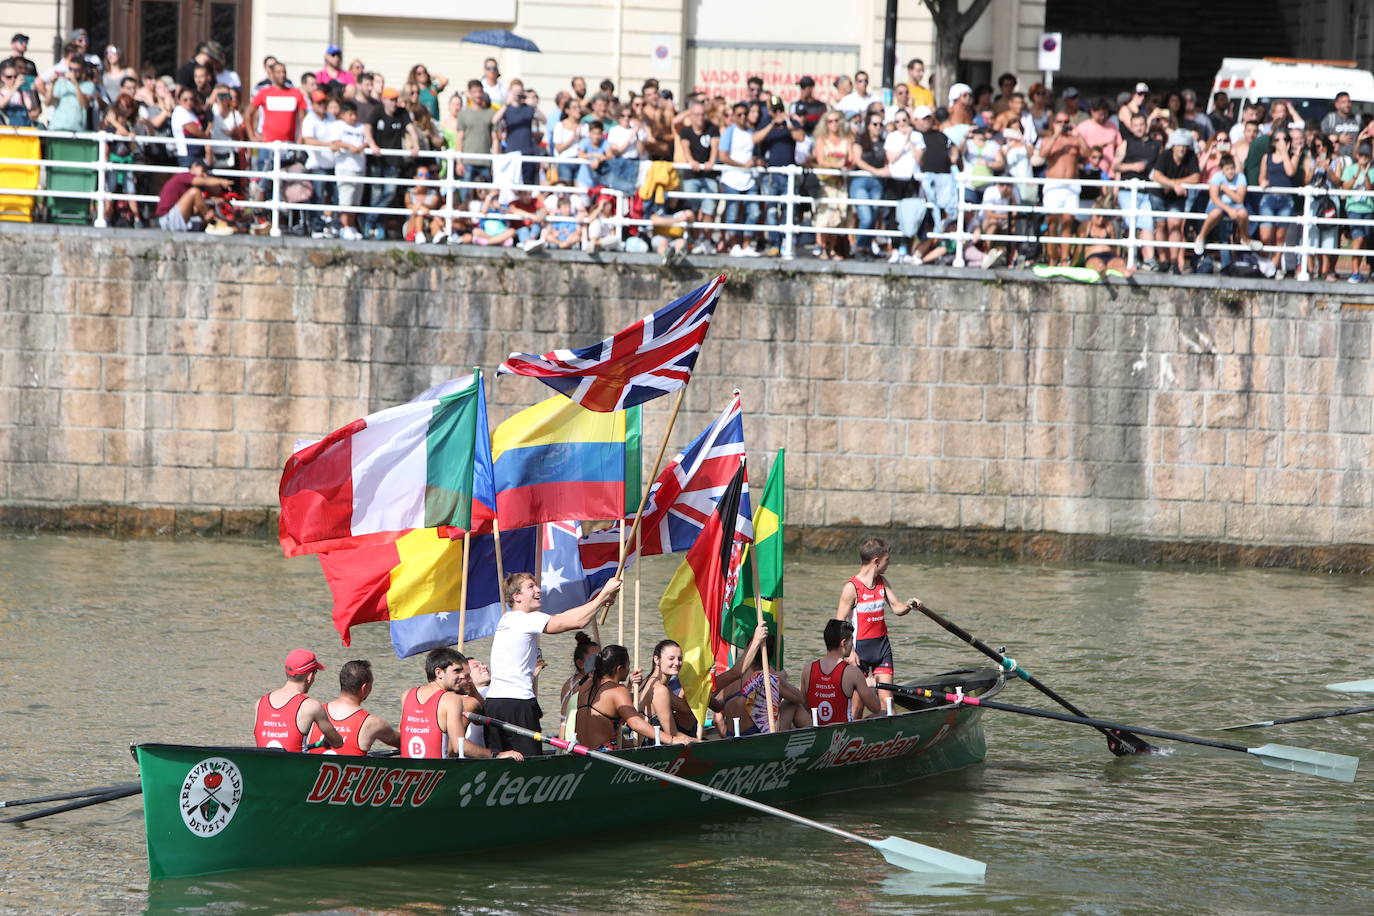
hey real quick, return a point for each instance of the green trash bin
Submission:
(71, 209)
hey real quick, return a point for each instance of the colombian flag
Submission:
(699, 594)
(415, 583)
(558, 461)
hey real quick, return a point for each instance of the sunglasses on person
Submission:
(861, 79)
(490, 67)
(8, 76)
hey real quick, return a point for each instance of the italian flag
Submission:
(406, 467)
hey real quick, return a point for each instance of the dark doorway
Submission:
(165, 33)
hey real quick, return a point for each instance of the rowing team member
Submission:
(286, 716)
(434, 716)
(864, 601)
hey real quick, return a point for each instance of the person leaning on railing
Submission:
(1226, 191)
(1323, 175)
(1174, 169)
(1281, 168)
(1134, 158)
(903, 149)
(1359, 176)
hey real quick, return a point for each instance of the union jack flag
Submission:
(651, 357)
(681, 499)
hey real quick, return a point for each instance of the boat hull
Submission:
(212, 809)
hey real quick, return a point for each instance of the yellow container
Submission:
(19, 143)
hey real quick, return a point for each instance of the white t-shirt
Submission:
(630, 136)
(477, 734)
(855, 102)
(222, 128)
(514, 652)
(314, 127)
(180, 118)
(741, 149)
(904, 167)
(353, 135)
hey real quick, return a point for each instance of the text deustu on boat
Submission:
(213, 809)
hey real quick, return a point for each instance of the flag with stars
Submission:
(562, 582)
(415, 584)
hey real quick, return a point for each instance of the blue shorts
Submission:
(1276, 205)
(874, 654)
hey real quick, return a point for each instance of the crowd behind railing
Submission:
(989, 178)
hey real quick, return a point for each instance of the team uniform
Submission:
(825, 694)
(420, 732)
(347, 727)
(277, 727)
(870, 627)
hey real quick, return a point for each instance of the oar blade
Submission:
(1339, 767)
(1352, 687)
(928, 859)
(1231, 728)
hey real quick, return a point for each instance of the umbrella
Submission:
(501, 38)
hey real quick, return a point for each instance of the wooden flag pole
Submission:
(463, 594)
(620, 598)
(644, 499)
(636, 633)
(758, 610)
(500, 563)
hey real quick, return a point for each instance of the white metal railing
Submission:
(271, 182)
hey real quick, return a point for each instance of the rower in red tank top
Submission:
(433, 716)
(865, 600)
(284, 716)
(358, 727)
(832, 684)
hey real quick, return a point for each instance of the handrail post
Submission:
(102, 155)
(451, 172)
(1305, 245)
(789, 238)
(959, 219)
(276, 189)
(1130, 223)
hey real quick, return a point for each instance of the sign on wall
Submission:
(720, 69)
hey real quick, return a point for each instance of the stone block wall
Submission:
(153, 385)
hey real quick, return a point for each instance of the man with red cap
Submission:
(285, 715)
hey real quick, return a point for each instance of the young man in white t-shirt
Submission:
(515, 654)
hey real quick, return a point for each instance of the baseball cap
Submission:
(957, 90)
(333, 49)
(1179, 138)
(1142, 87)
(301, 661)
(20, 36)
(921, 111)
(77, 33)
(1069, 93)
(215, 50)
(806, 82)
(390, 92)
(319, 95)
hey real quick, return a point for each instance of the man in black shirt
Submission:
(807, 108)
(1221, 119)
(366, 98)
(1175, 167)
(26, 68)
(209, 55)
(1135, 157)
(392, 129)
(777, 139)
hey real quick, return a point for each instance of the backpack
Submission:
(1244, 264)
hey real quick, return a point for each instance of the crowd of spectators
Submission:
(372, 137)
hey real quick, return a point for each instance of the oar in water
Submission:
(121, 792)
(1352, 711)
(83, 793)
(899, 852)
(1122, 744)
(1353, 687)
(1298, 759)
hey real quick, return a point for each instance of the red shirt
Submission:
(420, 732)
(347, 727)
(277, 727)
(171, 192)
(825, 694)
(870, 604)
(279, 108)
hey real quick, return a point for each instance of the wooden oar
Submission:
(1298, 759)
(1353, 687)
(1352, 711)
(899, 852)
(123, 792)
(83, 793)
(1122, 744)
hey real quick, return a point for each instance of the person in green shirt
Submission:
(1359, 176)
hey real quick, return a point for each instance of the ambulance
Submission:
(1310, 85)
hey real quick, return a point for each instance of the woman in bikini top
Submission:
(662, 701)
(604, 704)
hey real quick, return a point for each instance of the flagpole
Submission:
(463, 594)
(500, 564)
(758, 609)
(636, 657)
(644, 499)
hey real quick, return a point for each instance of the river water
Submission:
(104, 643)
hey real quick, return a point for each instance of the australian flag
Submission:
(651, 357)
(562, 582)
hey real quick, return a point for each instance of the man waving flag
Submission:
(651, 357)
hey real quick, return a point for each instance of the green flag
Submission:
(741, 620)
(634, 462)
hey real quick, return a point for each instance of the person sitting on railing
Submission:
(1135, 157)
(1359, 176)
(561, 228)
(1062, 150)
(1323, 174)
(19, 107)
(185, 202)
(1226, 200)
(348, 139)
(422, 200)
(1175, 167)
(1102, 228)
(1280, 168)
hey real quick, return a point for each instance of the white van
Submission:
(1309, 84)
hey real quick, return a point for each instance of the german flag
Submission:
(699, 594)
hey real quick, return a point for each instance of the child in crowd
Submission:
(489, 229)
(601, 234)
(561, 229)
(421, 201)
(348, 140)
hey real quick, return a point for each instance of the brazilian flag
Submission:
(766, 552)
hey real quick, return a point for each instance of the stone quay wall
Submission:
(156, 385)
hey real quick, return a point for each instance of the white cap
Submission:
(1297, 125)
(1141, 87)
(957, 90)
(921, 111)
(1179, 137)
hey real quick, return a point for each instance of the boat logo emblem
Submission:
(799, 744)
(472, 789)
(210, 796)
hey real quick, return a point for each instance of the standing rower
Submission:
(515, 654)
(358, 727)
(830, 681)
(434, 720)
(865, 600)
(285, 716)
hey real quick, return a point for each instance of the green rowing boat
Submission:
(214, 809)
